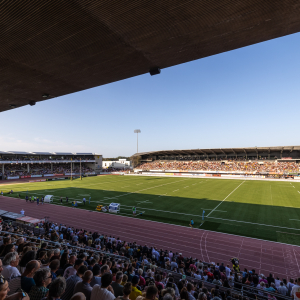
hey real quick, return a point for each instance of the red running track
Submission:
(264, 256)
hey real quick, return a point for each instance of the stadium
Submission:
(207, 224)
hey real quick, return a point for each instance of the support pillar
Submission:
(3, 172)
(51, 167)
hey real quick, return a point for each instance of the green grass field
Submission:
(267, 210)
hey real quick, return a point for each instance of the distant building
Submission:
(116, 164)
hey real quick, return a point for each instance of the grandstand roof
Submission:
(44, 153)
(219, 151)
(49, 49)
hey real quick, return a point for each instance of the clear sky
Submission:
(242, 98)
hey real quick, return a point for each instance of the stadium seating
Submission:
(258, 166)
(168, 274)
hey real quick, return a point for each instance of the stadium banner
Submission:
(46, 175)
(37, 180)
(13, 177)
(104, 173)
(286, 158)
(32, 176)
(169, 173)
(59, 174)
(27, 176)
(90, 173)
(71, 174)
(156, 171)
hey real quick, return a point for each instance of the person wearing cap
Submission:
(135, 292)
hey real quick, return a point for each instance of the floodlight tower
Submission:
(137, 131)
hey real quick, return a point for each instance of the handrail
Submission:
(72, 246)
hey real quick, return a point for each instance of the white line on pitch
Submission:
(224, 199)
(294, 220)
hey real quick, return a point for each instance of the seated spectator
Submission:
(135, 292)
(78, 296)
(96, 275)
(71, 282)
(84, 285)
(10, 263)
(56, 289)
(105, 292)
(42, 278)
(73, 269)
(126, 292)
(26, 281)
(116, 285)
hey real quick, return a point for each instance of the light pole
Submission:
(137, 131)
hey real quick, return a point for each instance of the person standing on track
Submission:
(192, 223)
(67, 199)
(84, 200)
(42, 200)
(134, 210)
(26, 198)
(37, 201)
(61, 200)
(32, 199)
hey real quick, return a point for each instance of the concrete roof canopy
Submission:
(53, 48)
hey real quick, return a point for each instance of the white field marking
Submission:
(84, 194)
(186, 187)
(175, 191)
(225, 199)
(139, 190)
(221, 233)
(145, 201)
(294, 220)
(253, 223)
(215, 210)
(288, 233)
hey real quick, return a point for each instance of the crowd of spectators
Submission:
(226, 166)
(82, 265)
(41, 169)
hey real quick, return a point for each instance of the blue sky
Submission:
(242, 98)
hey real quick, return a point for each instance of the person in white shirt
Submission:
(295, 293)
(22, 212)
(10, 262)
(227, 270)
(105, 292)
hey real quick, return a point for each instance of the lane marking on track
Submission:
(225, 199)
(294, 220)
(218, 233)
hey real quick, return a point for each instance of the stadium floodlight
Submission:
(137, 131)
